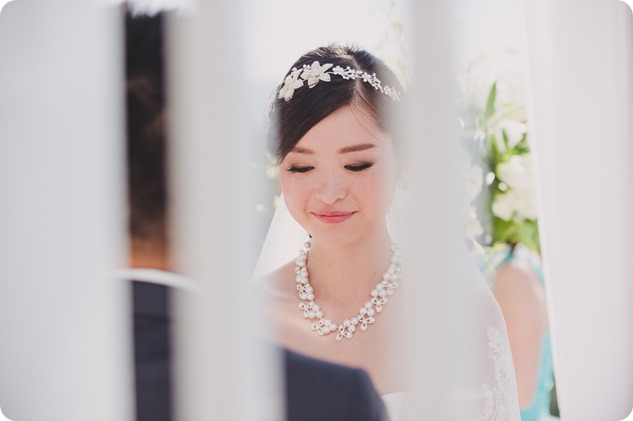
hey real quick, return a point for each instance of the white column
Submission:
(578, 120)
(439, 337)
(430, 274)
(460, 364)
(64, 348)
(223, 373)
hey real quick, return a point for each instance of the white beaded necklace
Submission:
(365, 317)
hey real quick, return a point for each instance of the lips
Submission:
(333, 217)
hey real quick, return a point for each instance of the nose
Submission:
(331, 187)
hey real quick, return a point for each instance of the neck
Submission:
(149, 256)
(344, 274)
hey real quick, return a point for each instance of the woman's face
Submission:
(339, 179)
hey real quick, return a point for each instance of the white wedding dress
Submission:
(479, 383)
(396, 405)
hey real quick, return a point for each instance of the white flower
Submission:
(511, 96)
(503, 205)
(314, 73)
(515, 201)
(514, 129)
(526, 204)
(520, 198)
(473, 226)
(272, 172)
(478, 94)
(474, 182)
(291, 83)
(517, 173)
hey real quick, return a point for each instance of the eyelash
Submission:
(359, 167)
(300, 170)
(353, 168)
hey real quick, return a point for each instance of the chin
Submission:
(336, 236)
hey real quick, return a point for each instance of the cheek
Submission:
(384, 184)
(294, 192)
(289, 185)
(379, 188)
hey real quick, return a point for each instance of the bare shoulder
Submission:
(519, 290)
(517, 278)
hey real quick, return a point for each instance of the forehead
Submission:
(345, 127)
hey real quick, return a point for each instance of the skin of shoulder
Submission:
(522, 300)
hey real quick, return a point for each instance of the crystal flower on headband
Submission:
(316, 73)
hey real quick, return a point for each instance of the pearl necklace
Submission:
(365, 317)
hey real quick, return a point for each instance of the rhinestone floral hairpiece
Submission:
(316, 73)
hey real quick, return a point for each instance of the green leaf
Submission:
(515, 231)
(490, 104)
(506, 142)
(495, 154)
(528, 234)
(503, 231)
(522, 147)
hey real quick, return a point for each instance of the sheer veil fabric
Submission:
(283, 241)
(465, 354)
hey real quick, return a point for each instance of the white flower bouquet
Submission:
(506, 208)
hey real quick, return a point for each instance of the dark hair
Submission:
(291, 120)
(146, 146)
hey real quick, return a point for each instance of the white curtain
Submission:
(64, 352)
(580, 119)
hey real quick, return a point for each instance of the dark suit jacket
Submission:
(152, 351)
(321, 391)
(315, 390)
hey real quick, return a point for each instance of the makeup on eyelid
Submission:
(351, 167)
(337, 184)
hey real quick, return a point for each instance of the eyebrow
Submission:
(346, 149)
(356, 148)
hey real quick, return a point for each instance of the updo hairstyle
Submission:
(291, 120)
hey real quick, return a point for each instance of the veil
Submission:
(466, 372)
(283, 241)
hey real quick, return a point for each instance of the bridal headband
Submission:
(316, 73)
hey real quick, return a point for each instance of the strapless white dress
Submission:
(494, 399)
(395, 403)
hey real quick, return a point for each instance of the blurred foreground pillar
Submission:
(429, 278)
(580, 116)
(64, 349)
(222, 371)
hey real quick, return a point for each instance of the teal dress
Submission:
(490, 262)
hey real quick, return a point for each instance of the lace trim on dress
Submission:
(500, 399)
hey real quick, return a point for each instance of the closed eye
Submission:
(300, 170)
(359, 167)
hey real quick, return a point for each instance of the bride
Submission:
(341, 296)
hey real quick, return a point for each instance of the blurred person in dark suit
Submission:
(147, 223)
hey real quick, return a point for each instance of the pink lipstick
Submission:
(333, 217)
